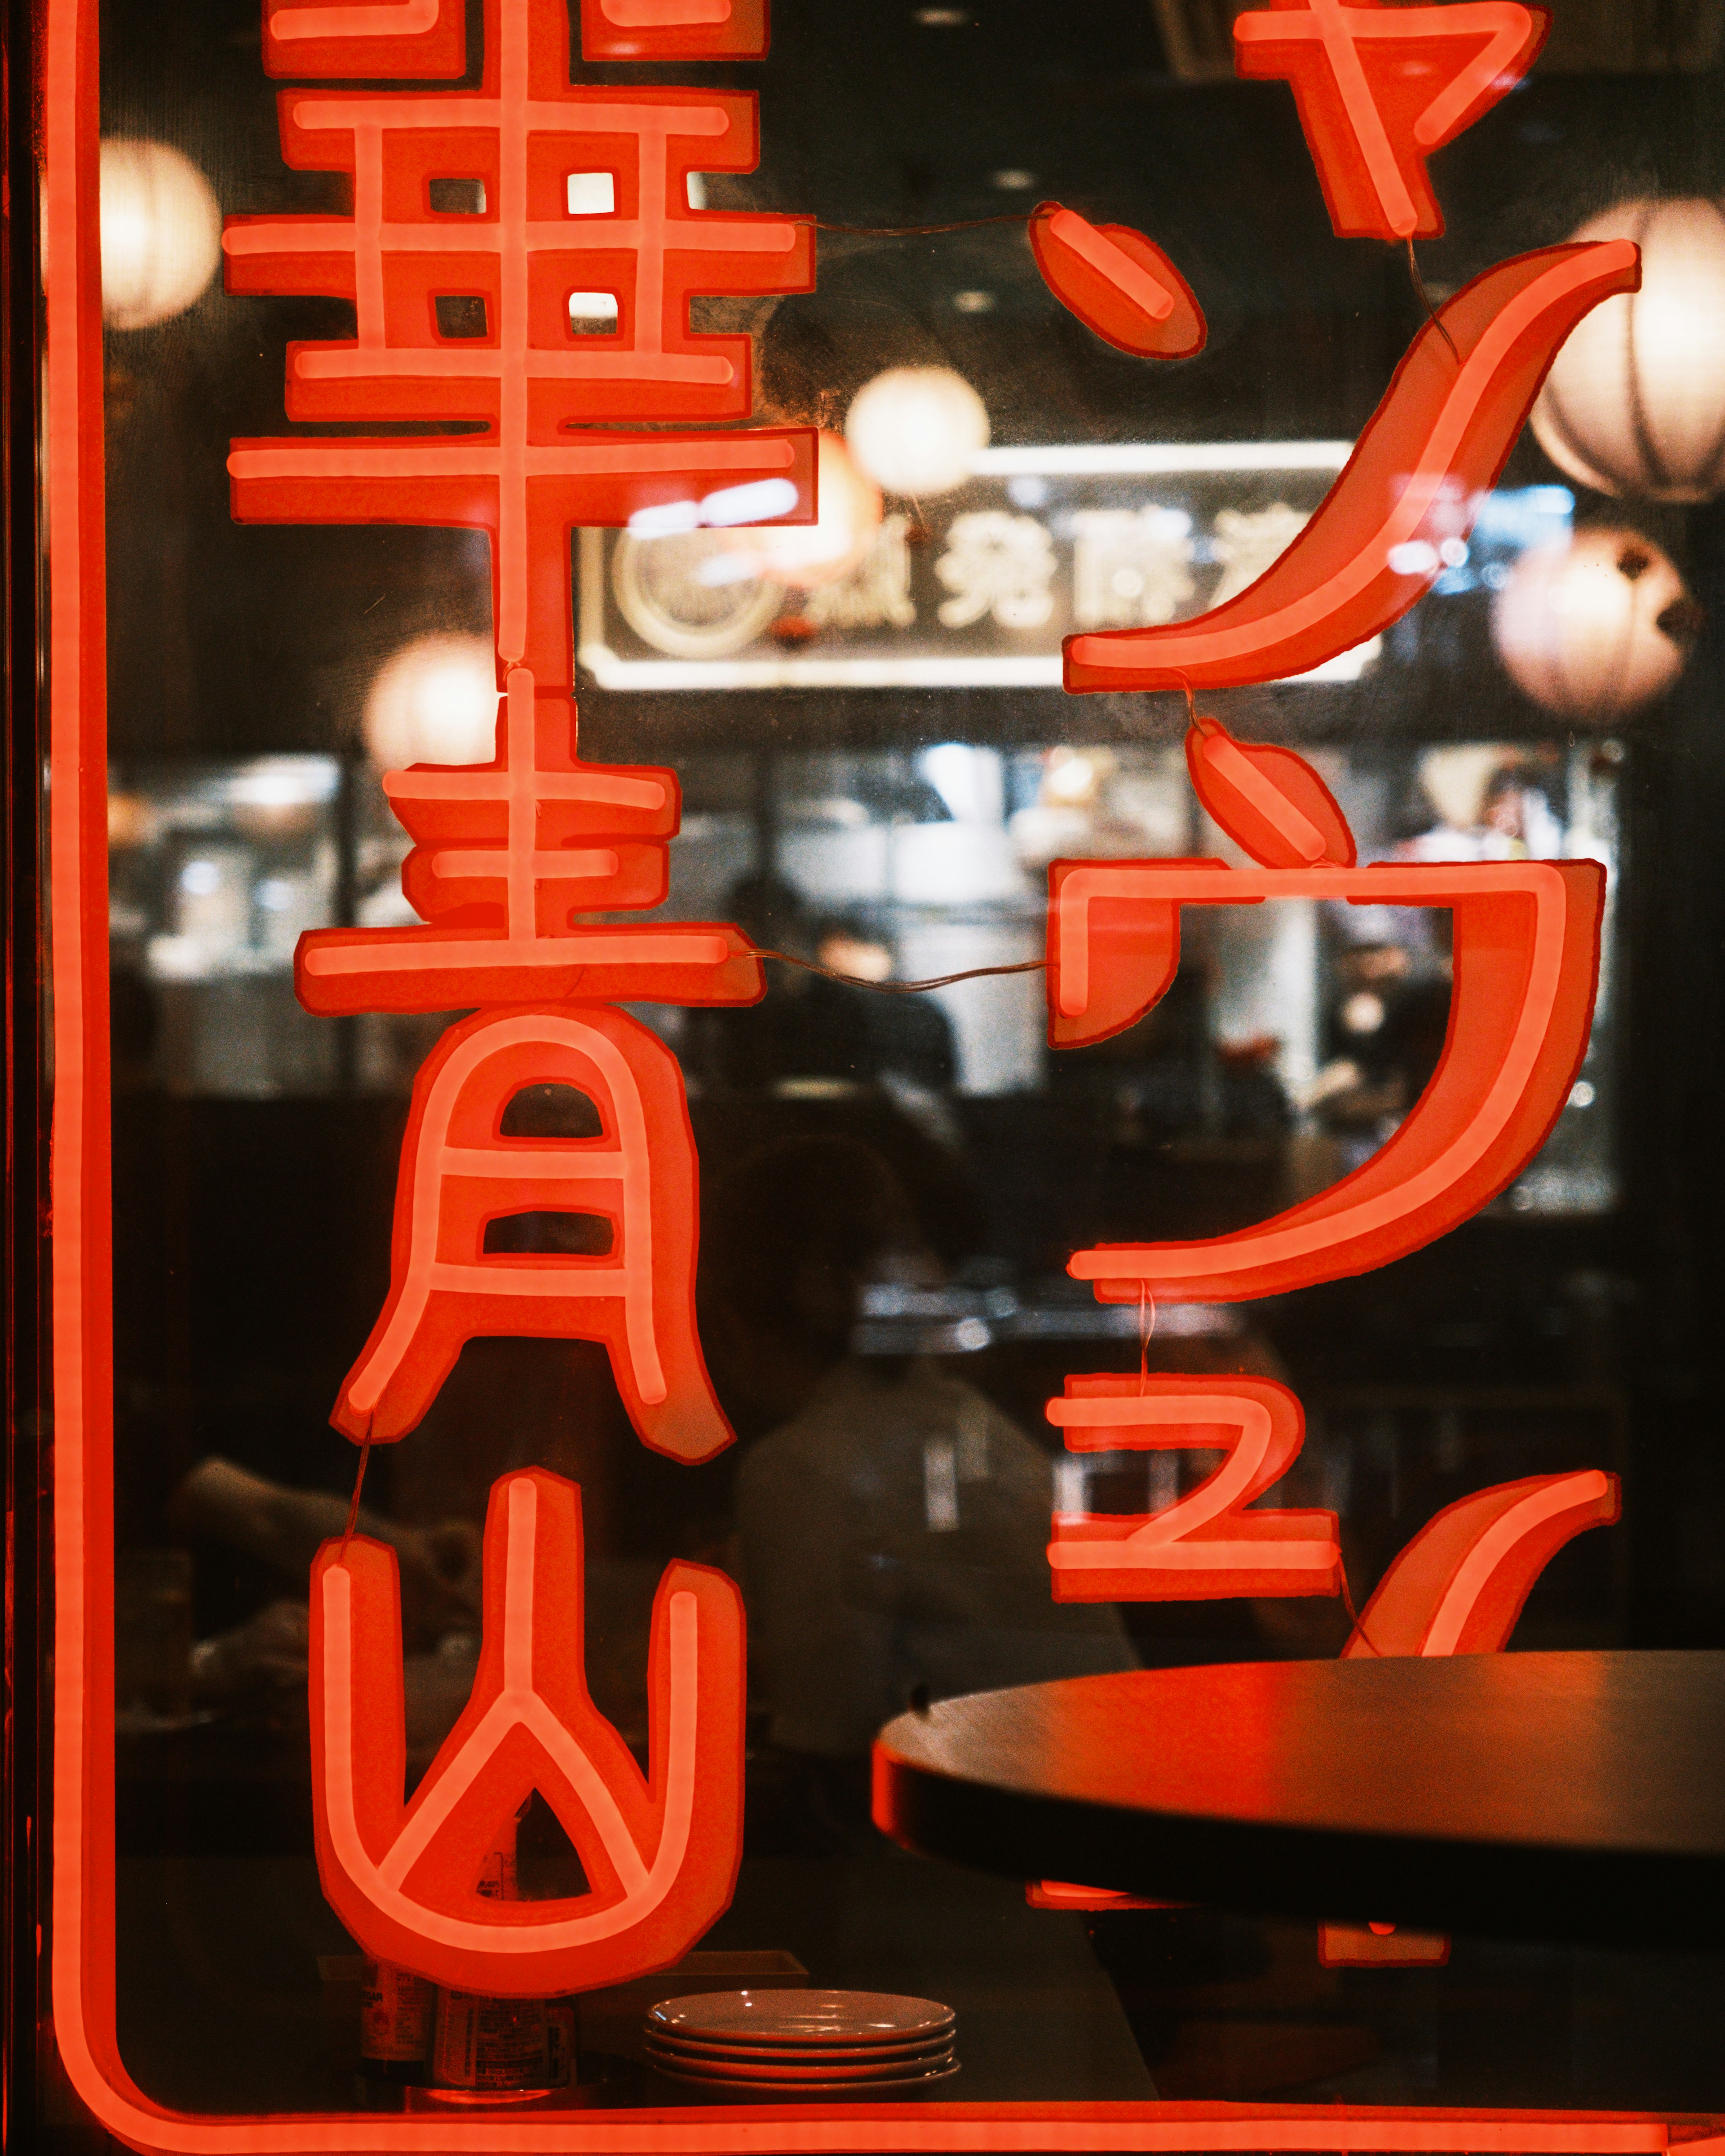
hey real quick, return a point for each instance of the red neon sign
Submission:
(1458, 1588)
(1118, 284)
(421, 37)
(674, 29)
(372, 42)
(508, 857)
(508, 851)
(1519, 1018)
(661, 1854)
(1207, 1544)
(1269, 799)
(1437, 441)
(536, 468)
(1459, 1585)
(1380, 88)
(458, 1174)
(1526, 962)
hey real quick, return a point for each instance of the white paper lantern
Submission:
(917, 430)
(162, 232)
(1634, 403)
(831, 548)
(1595, 626)
(434, 701)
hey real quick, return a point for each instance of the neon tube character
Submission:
(659, 1849)
(511, 860)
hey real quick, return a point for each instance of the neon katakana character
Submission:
(1380, 88)
(1526, 962)
(1447, 422)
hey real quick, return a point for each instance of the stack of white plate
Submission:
(802, 2043)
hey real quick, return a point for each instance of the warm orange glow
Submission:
(1064, 1894)
(916, 430)
(458, 1174)
(1380, 88)
(162, 233)
(1379, 1946)
(1595, 626)
(1206, 1545)
(1118, 284)
(1525, 937)
(1635, 402)
(1437, 442)
(661, 1854)
(807, 555)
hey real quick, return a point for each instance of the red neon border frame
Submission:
(83, 1907)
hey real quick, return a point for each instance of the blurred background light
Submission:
(433, 701)
(822, 552)
(162, 232)
(1595, 626)
(917, 430)
(1634, 403)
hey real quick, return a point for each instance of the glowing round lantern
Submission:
(1634, 403)
(917, 430)
(1594, 626)
(162, 233)
(831, 548)
(434, 701)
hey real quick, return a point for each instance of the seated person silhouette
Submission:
(892, 1522)
(811, 1028)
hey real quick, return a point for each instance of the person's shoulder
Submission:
(811, 1442)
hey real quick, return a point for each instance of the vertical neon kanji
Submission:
(491, 228)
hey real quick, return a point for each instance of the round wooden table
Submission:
(1549, 1796)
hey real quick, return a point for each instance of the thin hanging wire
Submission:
(1146, 1325)
(1437, 321)
(921, 231)
(900, 988)
(359, 1483)
(1354, 1616)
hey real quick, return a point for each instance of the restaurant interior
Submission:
(878, 765)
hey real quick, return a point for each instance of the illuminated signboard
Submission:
(978, 593)
(561, 432)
